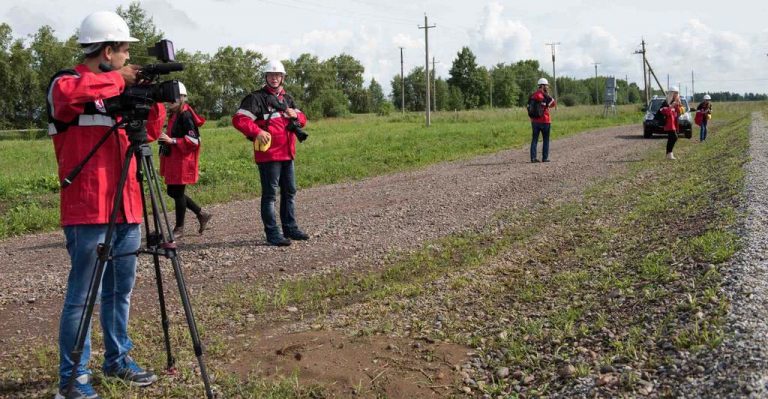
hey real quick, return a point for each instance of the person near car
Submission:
(542, 124)
(179, 160)
(705, 107)
(261, 120)
(78, 119)
(671, 108)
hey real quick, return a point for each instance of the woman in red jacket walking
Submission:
(179, 159)
(671, 109)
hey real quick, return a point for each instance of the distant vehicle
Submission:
(651, 125)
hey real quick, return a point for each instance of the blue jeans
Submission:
(703, 133)
(116, 286)
(274, 175)
(544, 129)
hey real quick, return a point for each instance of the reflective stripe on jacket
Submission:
(181, 165)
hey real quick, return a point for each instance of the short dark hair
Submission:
(95, 52)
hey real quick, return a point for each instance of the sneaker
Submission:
(297, 235)
(81, 390)
(178, 232)
(534, 160)
(203, 218)
(279, 242)
(131, 373)
(671, 156)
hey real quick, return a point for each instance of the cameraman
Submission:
(77, 120)
(260, 118)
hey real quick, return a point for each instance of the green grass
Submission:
(338, 150)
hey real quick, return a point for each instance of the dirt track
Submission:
(352, 225)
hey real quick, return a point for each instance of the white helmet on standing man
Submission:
(707, 97)
(274, 67)
(674, 89)
(104, 26)
(543, 81)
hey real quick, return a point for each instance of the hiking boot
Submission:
(178, 232)
(131, 373)
(297, 235)
(545, 160)
(534, 160)
(203, 218)
(81, 390)
(279, 241)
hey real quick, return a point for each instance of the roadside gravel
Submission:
(739, 367)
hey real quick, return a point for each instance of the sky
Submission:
(724, 44)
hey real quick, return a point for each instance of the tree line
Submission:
(323, 88)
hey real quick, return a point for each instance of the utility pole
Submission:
(434, 86)
(402, 83)
(667, 81)
(490, 81)
(626, 79)
(426, 28)
(693, 89)
(554, 76)
(645, 74)
(597, 87)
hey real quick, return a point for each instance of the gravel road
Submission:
(353, 225)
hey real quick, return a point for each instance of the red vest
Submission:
(89, 199)
(538, 95)
(181, 166)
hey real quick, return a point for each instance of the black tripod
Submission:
(159, 242)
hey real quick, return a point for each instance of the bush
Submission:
(385, 108)
(569, 100)
(224, 121)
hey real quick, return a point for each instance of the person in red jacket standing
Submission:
(264, 117)
(179, 160)
(77, 120)
(671, 109)
(541, 124)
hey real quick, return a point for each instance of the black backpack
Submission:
(535, 109)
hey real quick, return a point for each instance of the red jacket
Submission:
(539, 96)
(181, 165)
(252, 118)
(89, 199)
(670, 125)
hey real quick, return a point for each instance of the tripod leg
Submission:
(104, 250)
(153, 241)
(159, 210)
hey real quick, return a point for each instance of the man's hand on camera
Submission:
(263, 137)
(291, 113)
(129, 73)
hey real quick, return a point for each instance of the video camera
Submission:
(293, 124)
(136, 101)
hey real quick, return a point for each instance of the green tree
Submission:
(376, 94)
(505, 89)
(466, 77)
(235, 72)
(196, 76)
(455, 98)
(441, 94)
(348, 73)
(143, 28)
(6, 38)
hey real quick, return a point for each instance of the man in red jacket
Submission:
(542, 123)
(77, 120)
(261, 119)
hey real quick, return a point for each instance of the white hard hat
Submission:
(182, 89)
(707, 97)
(275, 67)
(543, 81)
(104, 26)
(674, 88)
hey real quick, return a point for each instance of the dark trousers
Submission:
(542, 128)
(671, 140)
(274, 175)
(176, 191)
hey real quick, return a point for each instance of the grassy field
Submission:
(337, 150)
(624, 279)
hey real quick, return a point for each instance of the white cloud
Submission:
(166, 15)
(26, 22)
(496, 39)
(407, 41)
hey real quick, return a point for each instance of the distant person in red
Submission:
(77, 120)
(269, 117)
(541, 122)
(705, 107)
(179, 160)
(671, 108)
